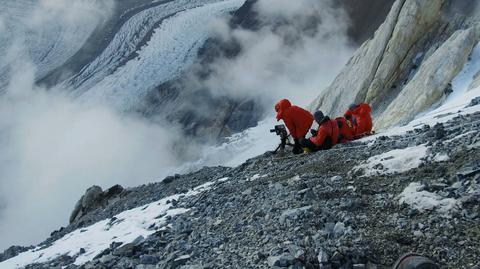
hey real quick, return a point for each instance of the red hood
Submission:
(281, 106)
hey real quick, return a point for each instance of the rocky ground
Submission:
(311, 211)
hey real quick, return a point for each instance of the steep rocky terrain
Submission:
(360, 205)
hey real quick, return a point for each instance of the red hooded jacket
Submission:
(346, 130)
(297, 119)
(327, 131)
(361, 118)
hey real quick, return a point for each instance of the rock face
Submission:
(354, 80)
(94, 198)
(414, 21)
(429, 84)
(384, 67)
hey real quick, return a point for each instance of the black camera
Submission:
(279, 130)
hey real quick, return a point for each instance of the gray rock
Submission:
(339, 229)
(427, 87)
(126, 250)
(145, 266)
(283, 260)
(107, 258)
(336, 178)
(181, 260)
(148, 259)
(94, 198)
(322, 256)
(376, 65)
(293, 214)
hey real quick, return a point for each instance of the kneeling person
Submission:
(326, 137)
(360, 116)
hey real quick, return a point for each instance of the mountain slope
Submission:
(365, 202)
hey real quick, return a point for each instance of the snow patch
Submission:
(416, 197)
(441, 157)
(123, 228)
(223, 179)
(395, 161)
(256, 176)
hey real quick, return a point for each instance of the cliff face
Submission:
(406, 50)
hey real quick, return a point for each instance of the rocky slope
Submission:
(419, 49)
(360, 205)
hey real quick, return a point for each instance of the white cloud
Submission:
(298, 51)
(53, 148)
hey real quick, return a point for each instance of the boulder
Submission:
(94, 198)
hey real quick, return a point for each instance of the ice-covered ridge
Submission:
(123, 228)
(172, 48)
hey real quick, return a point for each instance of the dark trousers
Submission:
(307, 143)
(297, 147)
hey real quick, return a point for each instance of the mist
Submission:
(299, 49)
(54, 147)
